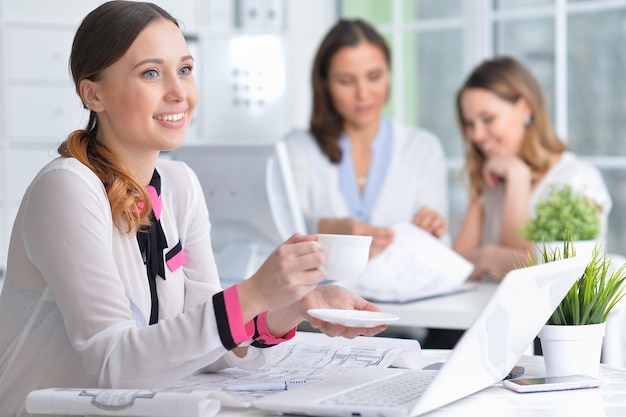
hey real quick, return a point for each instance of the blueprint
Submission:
(308, 356)
(312, 357)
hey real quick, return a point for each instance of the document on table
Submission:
(414, 266)
(308, 356)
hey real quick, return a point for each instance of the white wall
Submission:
(308, 22)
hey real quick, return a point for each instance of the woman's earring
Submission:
(527, 121)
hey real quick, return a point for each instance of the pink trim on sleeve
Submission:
(177, 261)
(240, 332)
(266, 336)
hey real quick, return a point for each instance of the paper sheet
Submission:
(309, 356)
(415, 265)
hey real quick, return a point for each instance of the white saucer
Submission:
(353, 318)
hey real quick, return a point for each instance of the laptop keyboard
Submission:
(396, 390)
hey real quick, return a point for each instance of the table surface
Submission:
(456, 311)
(606, 401)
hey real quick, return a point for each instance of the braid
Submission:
(123, 190)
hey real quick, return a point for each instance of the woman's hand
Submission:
(280, 321)
(381, 236)
(288, 274)
(504, 168)
(493, 260)
(430, 221)
(334, 296)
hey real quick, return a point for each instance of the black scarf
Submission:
(152, 243)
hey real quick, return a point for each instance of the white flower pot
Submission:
(582, 247)
(571, 350)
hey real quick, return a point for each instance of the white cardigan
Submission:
(417, 178)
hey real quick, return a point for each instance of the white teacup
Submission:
(346, 255)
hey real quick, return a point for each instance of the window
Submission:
(576, 48)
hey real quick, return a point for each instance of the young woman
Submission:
(111, 281)
(356, 171)
(513, 157)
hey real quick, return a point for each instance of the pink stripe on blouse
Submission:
(239, 331)
(177, 261)
(265, 334)
(157, 205)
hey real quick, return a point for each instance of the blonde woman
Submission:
(512, 158)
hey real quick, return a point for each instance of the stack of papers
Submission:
(416, 265)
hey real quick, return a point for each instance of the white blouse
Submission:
(75, 303)
(583, 177)
(417, 177)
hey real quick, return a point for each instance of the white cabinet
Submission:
(42, 113)
(38, 102)
(47, 11)
(35, 53)
(39, 99)
(22, 167)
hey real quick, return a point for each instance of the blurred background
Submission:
(253, 60)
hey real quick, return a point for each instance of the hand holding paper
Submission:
(415, 265)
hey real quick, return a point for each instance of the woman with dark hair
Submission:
(111, 281)
(356, 171)
(512, 159)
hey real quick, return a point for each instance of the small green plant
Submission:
(593, 295)
(564, 213)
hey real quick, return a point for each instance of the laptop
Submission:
(486, 353)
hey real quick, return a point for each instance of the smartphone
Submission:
(555, 383)
(516, 372)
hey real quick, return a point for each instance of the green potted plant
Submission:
(571, 340)
(565, 215)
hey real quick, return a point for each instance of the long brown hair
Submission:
(326, 123)
(102, 38)
(510, 80)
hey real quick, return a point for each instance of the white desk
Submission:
(456, 311)
(607, 401)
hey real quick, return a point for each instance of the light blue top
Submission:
(361, 205)
(415, 177)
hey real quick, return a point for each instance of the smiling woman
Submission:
(150, 91)
(111, 279)
(512, 158)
